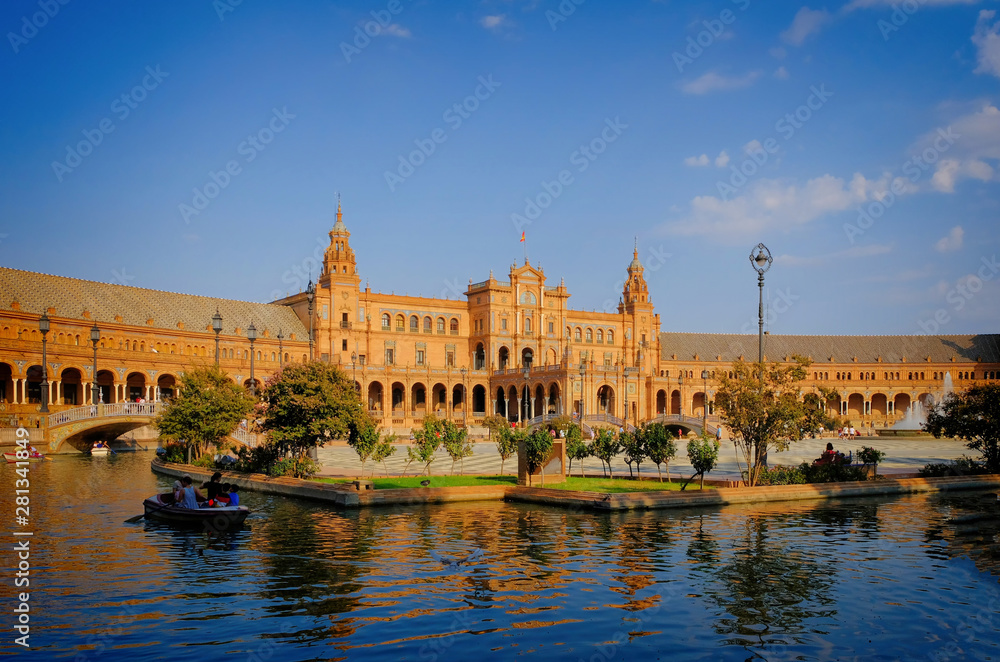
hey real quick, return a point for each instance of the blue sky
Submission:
(860, 142)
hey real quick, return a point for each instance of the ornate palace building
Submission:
(512, 347)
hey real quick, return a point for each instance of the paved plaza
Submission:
(903, 455)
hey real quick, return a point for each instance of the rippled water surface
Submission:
(862, 579)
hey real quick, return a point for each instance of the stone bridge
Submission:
(76, 430)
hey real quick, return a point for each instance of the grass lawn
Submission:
(606, 485)
(436, 481)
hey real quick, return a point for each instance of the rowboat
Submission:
(101, 449)
(161, 507)
(34, 457)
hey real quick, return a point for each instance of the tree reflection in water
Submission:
(767, 591)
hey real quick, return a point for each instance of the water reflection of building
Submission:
(511, 346)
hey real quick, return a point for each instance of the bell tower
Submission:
(636, 291)
(339, 256)
(642, 325)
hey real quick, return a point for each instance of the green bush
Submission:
(963, 466)
(257, 460)
(782, 475)
(832, 473)
(206, 461)
(174, 453)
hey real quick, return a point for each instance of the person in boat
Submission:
(234, 496)
(189, 494)
(213, 488)
(222, 499)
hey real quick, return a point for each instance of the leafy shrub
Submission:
(206, 461)
(782, 475)
(174, 453)
(832, 473)
(257, 460)
(870, 455)
(963, 466)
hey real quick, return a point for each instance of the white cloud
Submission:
(494, 22)
(722, 160)
(987, 41)
(753, 146)
(952, 242)
(773, 204)
(806, 22)
(712, 81)
(695, 161)
(964, 150)
(781, 73)
(395, 30)
(777, 52)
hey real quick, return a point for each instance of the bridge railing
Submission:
(106, 411)
(246, 438)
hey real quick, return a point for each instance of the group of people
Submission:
(217, 494)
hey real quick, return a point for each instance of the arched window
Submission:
(414, 324)
(527, 325)
(440, 325)
(454, 326)
(611, 336)
(273, 356)
(577, 335)
(400, 323)
(600, 336)
(427, 324)
(386, 321)
(590, 335)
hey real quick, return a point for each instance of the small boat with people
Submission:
(100, 448)
(162, 507)
(34, 455)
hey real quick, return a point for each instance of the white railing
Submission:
(248, 439)
(149, 409)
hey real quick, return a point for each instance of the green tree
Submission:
(537, 448)
(383, 451)
(660, 446)
(974, 417)
(815, 414)
(872, 456)
(308, 404)
(575, 448)
(761, 404)
(428, 439)
(634, 446)
(494, 423)
(506, 442)
(457, 444)
(703, 454)
(208, 406)
(605, 447)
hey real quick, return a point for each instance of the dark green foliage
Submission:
(963, 466)
(781, 475)
(208, 406)
(973, 416)
(307, 404)
(832, 473)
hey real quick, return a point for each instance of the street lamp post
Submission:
(625, 397)
(281, 351)
(310, 297)
(252, 336)
(525, 414)
(761, 262)
(704, 415)
(465, 403)
(43, 326)
(95, 337)
(583, 390)
(354, 369)
(217, 327)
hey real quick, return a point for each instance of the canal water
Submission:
(872, 579)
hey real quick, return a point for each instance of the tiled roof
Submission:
(70, 297)
(843, 349)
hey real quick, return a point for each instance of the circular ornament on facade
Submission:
(344, 294)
